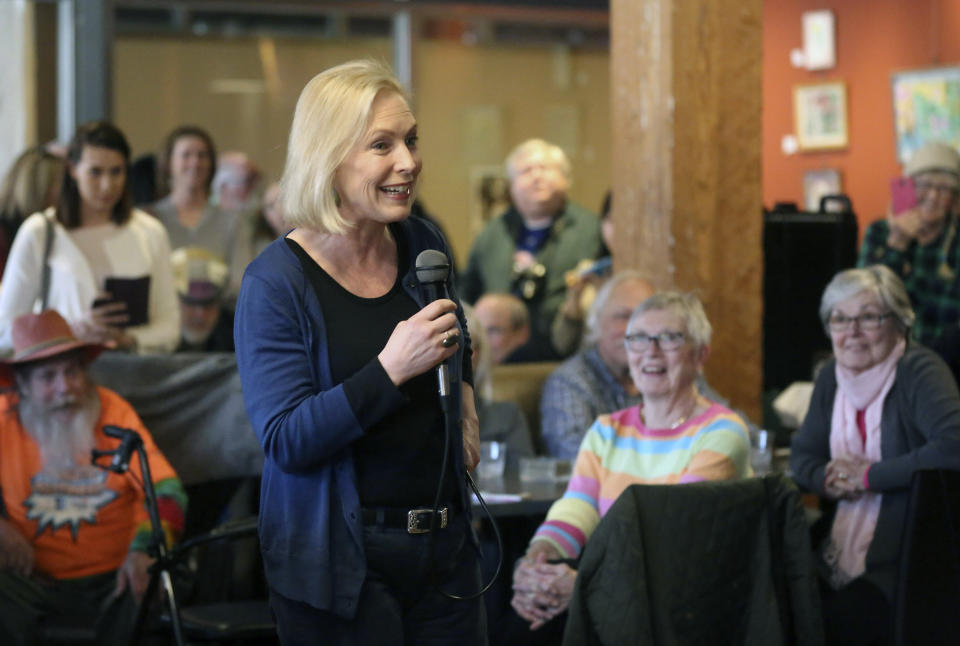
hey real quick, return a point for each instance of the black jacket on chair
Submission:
(706, 563)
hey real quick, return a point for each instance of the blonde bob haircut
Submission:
(332, 114)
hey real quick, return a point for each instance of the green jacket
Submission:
(575, 236)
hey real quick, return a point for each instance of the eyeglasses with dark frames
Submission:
(668, 340)
(867, 321)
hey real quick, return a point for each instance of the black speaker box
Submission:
(801, 253)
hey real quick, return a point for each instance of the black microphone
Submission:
(433, 269)
(129, 440)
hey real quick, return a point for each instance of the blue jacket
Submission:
(311, 532)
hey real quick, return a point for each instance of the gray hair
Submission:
(591, 332)
(517, 312)
(685, 305)
(552, 152)
(878, 279)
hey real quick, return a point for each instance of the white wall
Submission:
(17, 74)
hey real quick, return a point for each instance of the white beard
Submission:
(65, 437)
(195, 336)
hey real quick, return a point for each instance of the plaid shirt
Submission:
(578, 392)
(929, 272)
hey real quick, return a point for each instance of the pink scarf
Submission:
(856, 520)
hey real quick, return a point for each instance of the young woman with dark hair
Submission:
(65, 257)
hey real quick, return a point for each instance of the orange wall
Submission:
(873, 39)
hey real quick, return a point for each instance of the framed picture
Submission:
(819, 40)
(820, 115)
(926, 107)
(817, 183)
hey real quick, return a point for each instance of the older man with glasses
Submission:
(920, 243)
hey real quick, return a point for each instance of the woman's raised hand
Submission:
(904, 227)
(417, 344)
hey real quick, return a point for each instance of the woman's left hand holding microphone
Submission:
(417, 344)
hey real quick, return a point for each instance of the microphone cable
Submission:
(445, 403)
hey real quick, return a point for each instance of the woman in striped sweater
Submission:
(674, 436)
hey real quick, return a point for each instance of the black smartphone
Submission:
(132, 292)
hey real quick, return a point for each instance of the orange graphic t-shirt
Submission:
(82, 521)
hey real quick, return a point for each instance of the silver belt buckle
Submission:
(415, 516)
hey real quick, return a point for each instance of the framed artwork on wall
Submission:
(819, 39)
(817, 183)
(820, 115)
(926, 107)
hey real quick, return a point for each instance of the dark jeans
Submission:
(26, 604)
(857, 614)
(401, 600)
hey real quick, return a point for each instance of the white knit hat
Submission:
(933, 156)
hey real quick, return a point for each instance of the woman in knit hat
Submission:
(920, 244)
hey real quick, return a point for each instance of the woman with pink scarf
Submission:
(881, 410)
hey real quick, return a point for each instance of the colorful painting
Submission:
(926, 107)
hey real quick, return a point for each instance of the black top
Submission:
(398, 461)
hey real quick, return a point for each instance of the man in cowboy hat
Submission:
(73, 537)
(201, 279)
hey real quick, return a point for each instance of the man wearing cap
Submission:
(73, 537)
(201, 281)
(920, 244)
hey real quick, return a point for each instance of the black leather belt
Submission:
(415, 521)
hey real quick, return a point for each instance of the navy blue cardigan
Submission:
(311, 533)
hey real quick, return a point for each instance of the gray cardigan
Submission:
(920, 429)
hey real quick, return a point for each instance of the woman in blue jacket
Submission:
(337, 349)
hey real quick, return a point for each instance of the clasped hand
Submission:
(844, 477)
(541, 590)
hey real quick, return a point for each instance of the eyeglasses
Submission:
(868, 321)
(923, 187)
(640, 341)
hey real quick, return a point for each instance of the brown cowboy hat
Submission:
(41, 336)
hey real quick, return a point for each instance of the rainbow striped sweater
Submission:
(619, 451)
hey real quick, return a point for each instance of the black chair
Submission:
(219, 622)
(928, 580)
(226, 621)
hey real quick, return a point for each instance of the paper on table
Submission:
(500, 498)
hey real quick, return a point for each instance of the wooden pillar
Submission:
(685, 97)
